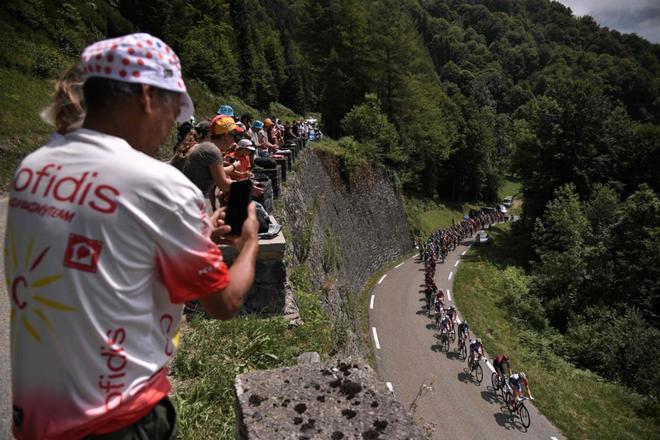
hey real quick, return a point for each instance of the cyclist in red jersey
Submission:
(498, 364)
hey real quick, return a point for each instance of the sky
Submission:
(626, 16)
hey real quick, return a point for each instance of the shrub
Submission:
(618, 345)
(516, 298)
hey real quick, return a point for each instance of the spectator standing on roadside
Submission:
(102, 271)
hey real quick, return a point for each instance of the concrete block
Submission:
(337, 400)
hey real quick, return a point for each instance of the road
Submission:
(5, 372)
(408, 358)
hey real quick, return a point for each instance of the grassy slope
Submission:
(21, 129)
(579, 403)
(426, 216)
(212, 353)
(512, 187)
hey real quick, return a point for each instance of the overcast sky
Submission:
(626, 16)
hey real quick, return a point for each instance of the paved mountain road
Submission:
(409, 357)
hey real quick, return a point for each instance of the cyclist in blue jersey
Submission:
(516, 381)
(476, 351)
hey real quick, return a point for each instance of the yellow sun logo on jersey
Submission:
(24, 282)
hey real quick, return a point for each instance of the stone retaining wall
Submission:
(343, 228)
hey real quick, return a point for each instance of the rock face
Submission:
(343, 228)
(338, 400)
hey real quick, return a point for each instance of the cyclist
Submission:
(476, 348)
(440, 298)
(516, 381)
(445, 325)
(463, 332)
(498, 364)
(451, 312)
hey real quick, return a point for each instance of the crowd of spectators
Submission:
(224, 148)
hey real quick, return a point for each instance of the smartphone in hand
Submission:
(240, 196)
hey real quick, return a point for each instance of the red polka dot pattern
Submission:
(135, 58)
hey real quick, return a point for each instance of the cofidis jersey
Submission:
(104, 246)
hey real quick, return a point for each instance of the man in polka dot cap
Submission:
(117, 244)
(138, 58)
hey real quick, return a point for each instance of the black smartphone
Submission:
(240, 196)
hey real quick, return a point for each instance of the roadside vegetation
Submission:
(426, 216)
(212, 353)
(491, 289)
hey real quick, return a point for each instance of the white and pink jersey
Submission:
(104, 244)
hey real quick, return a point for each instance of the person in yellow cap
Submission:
(223, 131)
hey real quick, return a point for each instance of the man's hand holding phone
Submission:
(237, 224)
(221, 232)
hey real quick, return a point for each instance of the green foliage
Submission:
(349, 154)
(525, 308)
(596, 257)
(331, 255)
(282, 112)
(208, 55)
(367, 125)
(21, 129)
(302, 239)
(618, 344)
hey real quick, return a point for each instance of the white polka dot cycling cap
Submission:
(138, 58)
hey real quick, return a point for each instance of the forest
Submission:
(451, 96)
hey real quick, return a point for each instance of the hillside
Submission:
(452, 79)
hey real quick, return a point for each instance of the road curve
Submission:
(408, 357)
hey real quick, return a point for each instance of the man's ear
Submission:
(147, 99)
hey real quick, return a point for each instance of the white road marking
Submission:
(381, 279)
(553, 438)
(391, 388)
(373, 329)
(490, 366)
(456, 264)
(398, 265)
(450, 274)
(449, 294)
(371, 305)
(464, 252)
(415, 256)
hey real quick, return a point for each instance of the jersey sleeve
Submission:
(191, 265)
